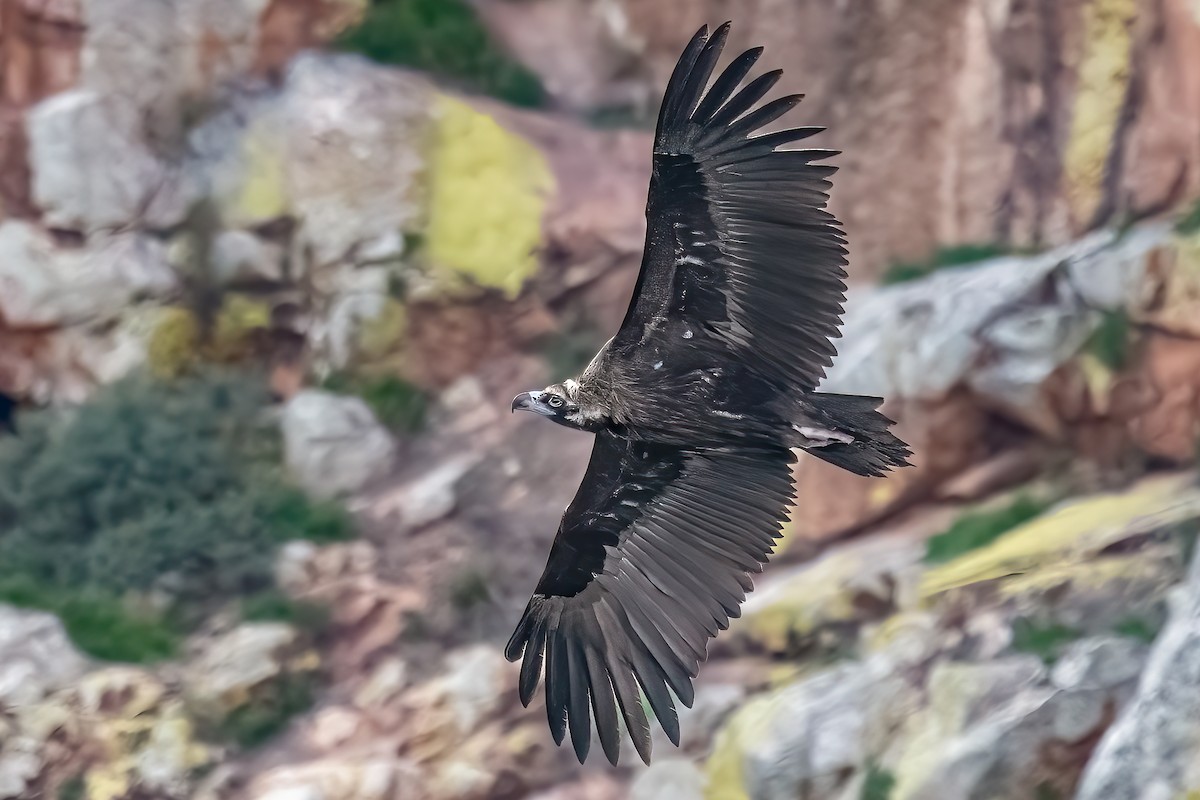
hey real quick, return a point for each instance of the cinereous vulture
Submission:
(696, 405)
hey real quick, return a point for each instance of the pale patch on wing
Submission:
(819, 437)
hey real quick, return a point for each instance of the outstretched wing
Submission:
(738, 243)
(652, 558)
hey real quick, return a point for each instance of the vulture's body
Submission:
(696, 404)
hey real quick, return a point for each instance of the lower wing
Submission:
(652, 558)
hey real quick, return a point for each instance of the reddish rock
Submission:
(14, 165)
(40, 42)
(289, 26)
(1170, 426)
(947, 437)
(955, 118)
(1161, 152)
(596, 224)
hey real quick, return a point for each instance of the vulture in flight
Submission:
(696, 405)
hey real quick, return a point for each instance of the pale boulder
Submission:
(334, 445)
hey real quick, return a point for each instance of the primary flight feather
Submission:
(696, 404)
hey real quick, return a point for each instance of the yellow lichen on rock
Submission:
(382, 336)
(799, 606)
(745, 730)
(238, 318)
(1103, 79)
(1103, 575)
(174, 343)
(148, 752)
(145, 740)
(487, 193)
(1071, 533)
(262, 193)
(1099, 378)
(836, 592)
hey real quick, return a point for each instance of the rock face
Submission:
(669, 778)
(334, 445)
(232, 666)
(304, 199)
(806, 738)
(93, 171)
(168, 167)
(1012, 338)
(136, 64)
(1026, 134)
(118, 725)
(45, 285)
(338, 148)
(997, 730)
(1150, 751)
(36, 657)
(992, 675)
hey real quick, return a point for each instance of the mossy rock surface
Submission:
(1100, 96)
(487, 193)
(1071, 534)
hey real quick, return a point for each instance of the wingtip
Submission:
(670, 726)
(582, 745)
(719, 35)
(613, 754)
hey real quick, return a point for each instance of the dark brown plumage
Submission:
(696, 404)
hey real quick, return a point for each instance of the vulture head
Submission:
(560, 402)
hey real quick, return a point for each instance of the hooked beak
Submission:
(532, 401)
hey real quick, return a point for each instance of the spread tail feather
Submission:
(874, 449)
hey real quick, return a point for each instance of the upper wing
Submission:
(652, 558)
(738, 243)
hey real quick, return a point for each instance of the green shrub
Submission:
(397, 403)
(1139, 628)
(98, 624)
(1188, 535)
(878, 785)
(1110, 341)
(446, 38)
(171, 490)
(268, 715)
(292, 514)
(73, 789)
(1047, 791)
(468, 590)
(416, 628)
(946, 257)
(272, 605)
(979, 528)
(1189, 223)
(1043, 640)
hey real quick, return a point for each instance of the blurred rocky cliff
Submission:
(1019, 122)
(194, 182)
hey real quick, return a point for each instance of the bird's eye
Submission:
(555, 401)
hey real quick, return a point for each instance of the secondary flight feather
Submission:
(696, 405)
